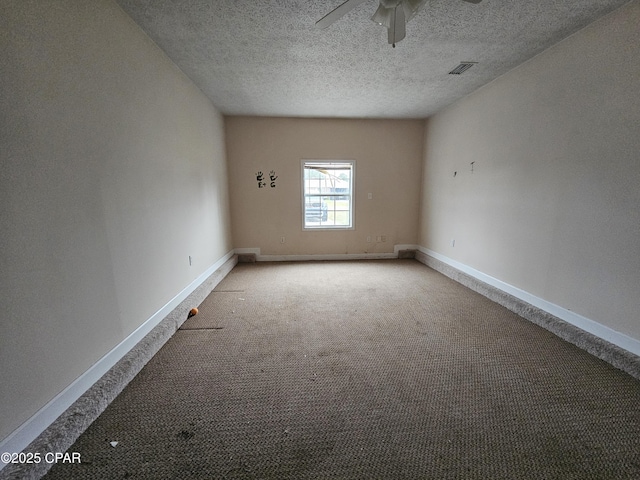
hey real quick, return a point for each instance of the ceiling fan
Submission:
(392, 14)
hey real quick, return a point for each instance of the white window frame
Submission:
(328, 164)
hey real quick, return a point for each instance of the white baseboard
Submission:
(327, 256)
(601, 331)
(20, 438)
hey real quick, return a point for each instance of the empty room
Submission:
(323, 239)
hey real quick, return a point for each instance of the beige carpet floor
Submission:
(365, 369)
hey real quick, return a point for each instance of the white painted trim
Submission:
(352, 196)
(326, 256)
(612, 336)
(21, 437)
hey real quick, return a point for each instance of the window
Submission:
(327, 191)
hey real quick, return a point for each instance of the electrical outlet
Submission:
(281, 239)
(453, 242)
(368, 238)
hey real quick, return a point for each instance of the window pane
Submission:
(327, 194)
(315, 210)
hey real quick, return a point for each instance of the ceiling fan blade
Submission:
(397, 30)
(338, 13)
(472, 1)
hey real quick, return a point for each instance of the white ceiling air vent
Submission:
(463, 67)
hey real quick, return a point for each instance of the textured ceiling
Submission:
(267, 58)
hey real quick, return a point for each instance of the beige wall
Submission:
(387, 154)
(113, 173)
(553, 204)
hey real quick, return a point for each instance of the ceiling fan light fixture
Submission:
(382, 16)
(392, 14)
